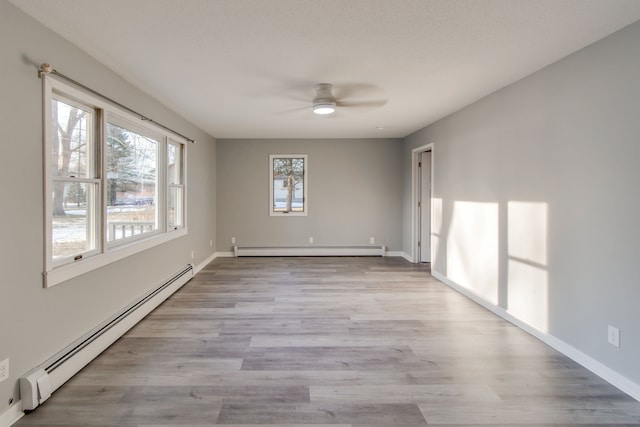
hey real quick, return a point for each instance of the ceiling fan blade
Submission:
(297, 98)
(292, 110)
(357, 91)
(363, 104)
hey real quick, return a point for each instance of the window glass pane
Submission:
(174, 163)
(132, 183)
(174, 207)
(73, 229)
(71, 133)
(288, 184)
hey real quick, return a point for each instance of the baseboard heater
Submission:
(370, 250)
(37, 385)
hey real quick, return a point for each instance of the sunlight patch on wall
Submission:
(527, 224)
(528, 298)
(436, 229)
(472, 248)
(528, 294)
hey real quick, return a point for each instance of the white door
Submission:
(424, 206)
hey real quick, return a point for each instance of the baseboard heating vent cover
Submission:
(38, 384)
(371, 250)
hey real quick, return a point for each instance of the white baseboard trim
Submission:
(394, 253)
(204, 263)
(223, 255)
(12, 414)
(406, 256)
(598, 368)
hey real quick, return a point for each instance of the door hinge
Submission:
(419, 204)
(419, 244)
(419, 164)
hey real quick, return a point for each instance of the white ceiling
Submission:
(246, 68)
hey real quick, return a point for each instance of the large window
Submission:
(288, 184)
(115, 184)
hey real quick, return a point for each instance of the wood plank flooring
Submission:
(334, 342)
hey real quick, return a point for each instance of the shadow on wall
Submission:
(498, 252)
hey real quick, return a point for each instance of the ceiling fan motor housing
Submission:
(324, 98)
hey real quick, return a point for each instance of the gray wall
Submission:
(354, 190)
(35, 323)
(544, 171)
(537, 189)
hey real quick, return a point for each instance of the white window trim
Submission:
(69, 271)
(105, 253)
(305, 212)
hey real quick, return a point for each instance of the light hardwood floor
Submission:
(329, 341)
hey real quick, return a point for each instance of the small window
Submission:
(288, 184)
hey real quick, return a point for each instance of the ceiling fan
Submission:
(325, 102)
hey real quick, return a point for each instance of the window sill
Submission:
(287, 214)
(67, 272)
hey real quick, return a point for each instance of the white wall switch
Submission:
(310, 239)
(372, 240)
(233, 240)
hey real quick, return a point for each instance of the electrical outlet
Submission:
(233, 240)
(614, 336)
(372, 240)
(4, 370)
(193, 254)
(210, 243)
(310, 239)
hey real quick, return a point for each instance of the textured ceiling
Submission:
(246, 68)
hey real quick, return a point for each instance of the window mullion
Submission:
(101, 221)
(161, 188)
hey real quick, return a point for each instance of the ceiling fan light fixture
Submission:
(324, 108)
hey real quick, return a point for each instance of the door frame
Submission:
(415, 188)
